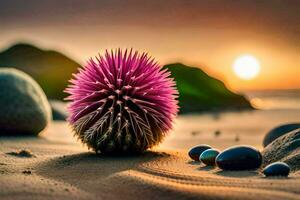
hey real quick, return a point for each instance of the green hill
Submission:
(200, 92)
(50, 69)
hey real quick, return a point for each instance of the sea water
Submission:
(233, 128)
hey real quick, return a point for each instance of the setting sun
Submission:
(246, 67)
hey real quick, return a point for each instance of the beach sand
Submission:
(59, 167)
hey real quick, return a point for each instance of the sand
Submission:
(56, 166)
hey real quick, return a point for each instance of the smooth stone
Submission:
(284, 149)
(279, 131)
(277, 169)
(24, 107)
(196, 151)
(240, 157)
(208, 156)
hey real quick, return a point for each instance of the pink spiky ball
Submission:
(122, 103)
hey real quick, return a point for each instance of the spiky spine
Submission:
(122, 103)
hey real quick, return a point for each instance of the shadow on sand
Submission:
(92, 168)
(31, 139)
(207, 168)
(17, 139)
(237, 174)
(192, 162)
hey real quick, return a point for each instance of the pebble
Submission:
(208, 156)
(277, 169)
(241, 157)
(196, 151)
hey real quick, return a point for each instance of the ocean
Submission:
(274, 108)
(275, 99)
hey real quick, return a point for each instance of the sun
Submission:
(246, 67)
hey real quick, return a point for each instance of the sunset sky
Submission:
(208, 33)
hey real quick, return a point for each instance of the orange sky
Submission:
(205, 33)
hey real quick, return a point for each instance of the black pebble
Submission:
(240, 157)
(196, 151)
(277, 169)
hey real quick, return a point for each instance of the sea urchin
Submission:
(122, 102)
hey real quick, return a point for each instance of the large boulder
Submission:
(279, 131)
(24, 108)
(285, 149)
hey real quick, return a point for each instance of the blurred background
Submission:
(251, 46)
